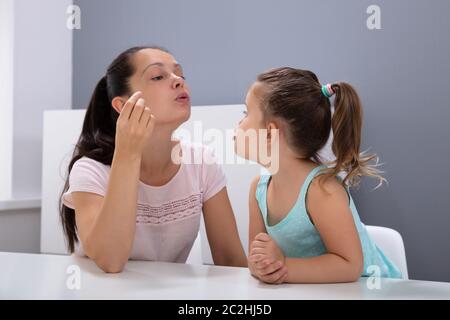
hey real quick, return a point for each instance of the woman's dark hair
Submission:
(97, 138)
(295, 96)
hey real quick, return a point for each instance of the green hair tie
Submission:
(327, 90)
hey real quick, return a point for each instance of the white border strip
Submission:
(6, 96)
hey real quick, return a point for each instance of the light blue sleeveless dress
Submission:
(297, 237)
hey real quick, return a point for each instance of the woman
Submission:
(125, 197)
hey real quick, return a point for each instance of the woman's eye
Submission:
(245, 113)
(157, 78)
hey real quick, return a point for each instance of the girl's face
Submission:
(252, 132)
(161, 80)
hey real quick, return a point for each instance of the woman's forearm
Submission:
(111, 238)
(327, 268)
(235, 258)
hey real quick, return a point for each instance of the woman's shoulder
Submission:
(86, 175)
(90, 162)
(89, 165)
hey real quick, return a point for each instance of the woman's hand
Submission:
(266, 260)
(134, 126)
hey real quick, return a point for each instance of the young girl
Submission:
(304, 226)
(126, 197)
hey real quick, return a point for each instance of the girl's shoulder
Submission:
(258, 187)
(326, 191)
(254, 183)
(326, 184)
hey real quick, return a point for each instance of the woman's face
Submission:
(160, 79)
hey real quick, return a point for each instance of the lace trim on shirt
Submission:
(171, 211)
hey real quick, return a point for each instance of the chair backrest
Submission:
(391, 243)
(61, 131)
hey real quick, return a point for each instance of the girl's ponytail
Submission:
(346, 124)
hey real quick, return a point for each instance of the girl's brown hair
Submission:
(295, 96)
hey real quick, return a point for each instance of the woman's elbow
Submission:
(113, 269)
(110, 266)
(109, 262)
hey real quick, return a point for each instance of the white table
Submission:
(40, 276)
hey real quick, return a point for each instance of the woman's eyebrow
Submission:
(178, 66)
(159, 64)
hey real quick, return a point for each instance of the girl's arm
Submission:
(272, 273)
(328, 207)
(222, 232)
(256, 222)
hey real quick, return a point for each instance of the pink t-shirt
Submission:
(168, 216)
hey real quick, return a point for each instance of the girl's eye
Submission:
(245, 113)
(183, 77)
(157, 78)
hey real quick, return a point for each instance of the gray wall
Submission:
(42, 75)
(42, 81)
(402, 73)
(20, 230)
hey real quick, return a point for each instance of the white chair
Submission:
(391, 243)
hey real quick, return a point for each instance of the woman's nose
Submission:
(178, 81)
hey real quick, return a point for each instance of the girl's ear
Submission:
(118, 103)
(269, 127)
